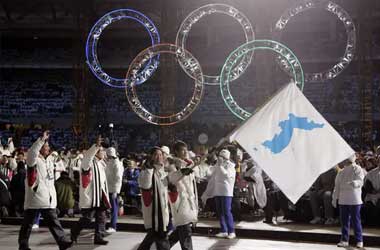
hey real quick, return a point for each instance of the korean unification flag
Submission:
(291, 142)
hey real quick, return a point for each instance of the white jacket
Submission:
(221, 180)
(184, 202)
(348, 185)
(9, 150)
(148, 194)
(73, 165)
(96, 192)
(114, 173)
(224, 174)
(256, 189)
(41, 193)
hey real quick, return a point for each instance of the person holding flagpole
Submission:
(221, 186)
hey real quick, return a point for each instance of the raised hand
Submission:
(45, 135)
(99, 141)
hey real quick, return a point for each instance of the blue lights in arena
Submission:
(95, 33)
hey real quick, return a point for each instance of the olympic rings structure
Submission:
(196, 15)
(342, 15)
(93, 39)
(288, 58)
(187, 60)
(146, 62)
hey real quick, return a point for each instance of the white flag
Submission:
(292, 142)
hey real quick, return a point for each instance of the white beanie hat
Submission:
(191, 154)
(352, 158)
(111, 151)
(165, 149)
(225, 154)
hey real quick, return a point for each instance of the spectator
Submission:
(17, 189)
(256, 189)
(130, 181)
(321, 196)
(65, 195)
(372, 197)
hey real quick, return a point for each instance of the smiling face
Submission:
(157, 157)
(101, 154)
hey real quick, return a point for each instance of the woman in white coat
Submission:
(153, 181)
(40, 194)
(93, 193)
(347, 193)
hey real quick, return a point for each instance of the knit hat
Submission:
(165, 149)
(111, 152)
(225, 154)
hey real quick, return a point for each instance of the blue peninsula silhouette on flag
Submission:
(291, 141)
(281, 141)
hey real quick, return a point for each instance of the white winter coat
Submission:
(256, 189)
(41, 194)
(148, 194)
(9, 150)
(59, 166)
(96, 192)
(184, 202)
(114, 173)
(73, 165)
(221, 180)
(348, 185)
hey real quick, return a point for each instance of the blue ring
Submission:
(92, 45)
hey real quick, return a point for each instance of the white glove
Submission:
(334, 203)
(114, 195)
(355, 184)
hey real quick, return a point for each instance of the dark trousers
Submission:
(223, 210)
(85, 220)
(183, 235)
(350, 213)
(321, 198)
(275, 202)
(371, 213)
(51, 218)
(114, 211)
(161, 239)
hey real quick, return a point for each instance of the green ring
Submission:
(290, 61)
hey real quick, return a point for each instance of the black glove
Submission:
(172, 187)
(186, 171)
(249, 179)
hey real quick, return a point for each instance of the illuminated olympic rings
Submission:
(342, 15)
(189, 63)
(95, 33)
(225, 9)
(146, 62)
(288, 58)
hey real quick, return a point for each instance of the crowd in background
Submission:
(254, 193)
